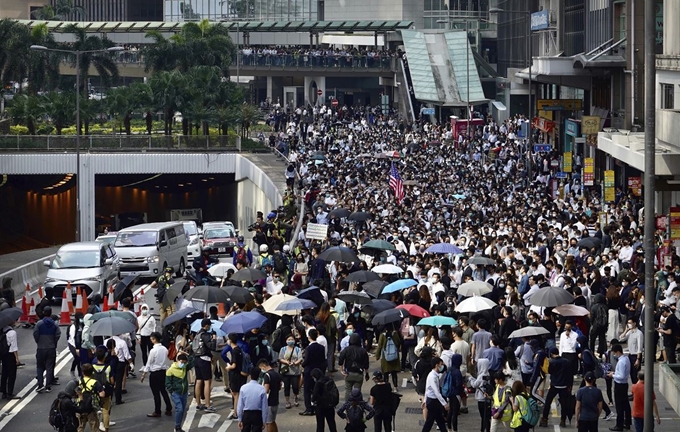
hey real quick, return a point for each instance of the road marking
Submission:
(208, 420)
(27, 395)
(557, 428)
(404, 383)
(225, 426)
(191, 413)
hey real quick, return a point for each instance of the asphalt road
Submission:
(30, 412)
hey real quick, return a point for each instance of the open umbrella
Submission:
(271, 304)
(551, 297)
(173, 292)
(458, 196)
(340, 254)
(111, 326)
(474, 288)
(362, 276)
(380, 305)
(238, 294)
(243, 322)
(115, 313)
(414, 310)
(220, 269)
(475, 304)
(295, 304)
(249, 275)
(339, 213)
(444, 248)
(387, 269)
(374, 288)
(209, 294)
(312, 293)
(389, 316)
(438, 320)
(215, 326)
(589, 242)
(480, 260)
(571, 310)
(318, 157)
(9, 316)
(127, 282)
(360, 216)
(399, 285)
(180, 315)
(528, 331)
(379, 244)
(356, 297)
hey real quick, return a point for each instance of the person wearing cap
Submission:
(381, 400)
(561, 381)
(589, 403)
(69, 408)
(620, 376)
(162, 284)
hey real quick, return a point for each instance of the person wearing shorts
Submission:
(272, 385)
(203, 345)
(235, 366)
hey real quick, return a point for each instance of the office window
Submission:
(667, 97)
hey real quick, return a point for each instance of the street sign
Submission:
(428, 111)
(335, 102)
(319, 92)
(542, 148)
(561, 175)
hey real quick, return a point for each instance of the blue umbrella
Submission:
(243, 322)
(179, 315)
(399, 285)
(215, 326)
(444, 248)
(437, 320)
(296, 304)
(458, 196)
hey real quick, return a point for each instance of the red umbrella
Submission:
(414, 310)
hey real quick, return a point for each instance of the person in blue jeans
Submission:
(177, 384)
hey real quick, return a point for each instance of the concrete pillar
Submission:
(311, 97)
(87, 196)
(270, 85)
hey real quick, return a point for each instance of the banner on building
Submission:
(609, 191)
(635, 185)
(316, 231)
(567, 162)
(588, 172)
(675, 223)
(590, 125)
(662, 222)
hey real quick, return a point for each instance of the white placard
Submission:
(316, 231)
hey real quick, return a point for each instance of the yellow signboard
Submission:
(566, 162)
(588, 171)
(609, 191)
(546, 114)
(559, 104)
(590, 125)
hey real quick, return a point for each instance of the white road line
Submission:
(557, 428)
(404, 383)
(191, 413)
(27, 395)
(225, 426)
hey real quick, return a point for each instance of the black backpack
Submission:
(90, 400)
(100, 376)
(55, 417)
(355, 415)
(4, 347)
(331, 396)
(279, 262)
(601, 318)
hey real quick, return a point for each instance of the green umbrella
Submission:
(379, 244)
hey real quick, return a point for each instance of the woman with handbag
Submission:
(290, 359)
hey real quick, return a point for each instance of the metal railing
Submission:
(118, 143)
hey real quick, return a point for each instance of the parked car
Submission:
(91, 266)
(193, 239)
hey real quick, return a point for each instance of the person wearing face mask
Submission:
(177, 384)
(434, 401)
(147, 325)
(568, 341)
(620, 377)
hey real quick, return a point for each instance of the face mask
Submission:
(615, 356)
(630, 326)
(145, 312)
(441, 368)
(531, 322)
(350, 332)
(356, 315)
(290, 343)
(181, 365)
(265, 342)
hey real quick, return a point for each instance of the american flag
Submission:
(396, 184)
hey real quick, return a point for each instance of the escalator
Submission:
(405, 85)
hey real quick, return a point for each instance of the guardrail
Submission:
(32, 273)
(117, 143)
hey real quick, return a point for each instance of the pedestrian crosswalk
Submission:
(196, 419)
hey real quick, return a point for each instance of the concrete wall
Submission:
(251, 199)
(671, 28)
(32, 273)
(669, 384)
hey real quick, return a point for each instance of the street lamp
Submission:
(527, 15)
(78, 54)
(467, 69)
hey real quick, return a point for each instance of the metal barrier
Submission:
(32, 273)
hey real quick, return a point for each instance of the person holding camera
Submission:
(162, 285)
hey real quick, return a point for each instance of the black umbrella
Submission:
(9, 316)
(111, 326)
(356, 297)
(362, 276)
(360, 216)
(551, 297)
(172, 293)
(115, 313)
(127, 282)
(209, 294)
(339, 213)
(238, 294)
(340, 254)
(375, 287)
(390, 316)
(589, 242)
(312, 293)
(381, 305)
(249, 275)
(180, 315)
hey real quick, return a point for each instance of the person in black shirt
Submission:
(669, 331)
(381, 399)
(272, 385)
(315, 358)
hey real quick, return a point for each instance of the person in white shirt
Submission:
(9, 363)
(321, 339)
(124, 358)
(434, 402)
(147, 325)
(155, 367)
(568, 341)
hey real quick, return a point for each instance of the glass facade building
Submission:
(232, 10)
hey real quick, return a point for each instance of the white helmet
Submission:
(264, 248)
(286, 248)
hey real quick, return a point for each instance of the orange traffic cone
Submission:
(109, 300)
(32, 318)
(136, 306)
(79, 300)
(40, 292)
(69, 298)
(220, 310)
(65, 317)
(86, 305)
(25, 305)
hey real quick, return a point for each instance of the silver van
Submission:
(92, 266)
(146, 249)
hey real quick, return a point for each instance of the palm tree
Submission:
(169, 90)
(120, 104)
(14, 47)
(249, 115)
(26, 109)
(43, 66)
(62, 10)
(103, 62)
(59, 107)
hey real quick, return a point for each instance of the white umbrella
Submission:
(474, 288)
(387, 269)
(528, 331)
(274, 301)
(569, 310)
(475, 304)
(220, 270)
